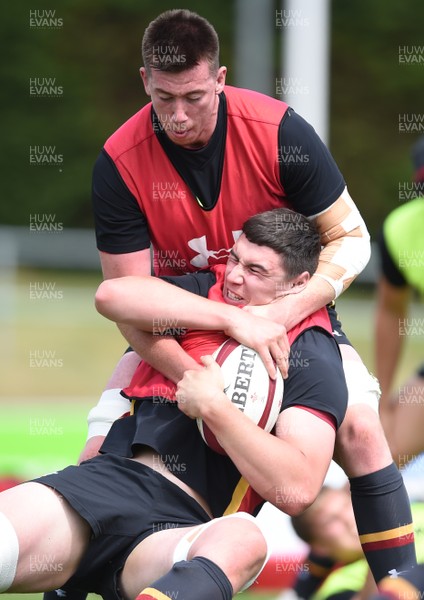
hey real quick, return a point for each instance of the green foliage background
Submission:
(95, 57)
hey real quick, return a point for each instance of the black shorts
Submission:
(124, 502)
(338, 333)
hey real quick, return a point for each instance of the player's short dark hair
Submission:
(178, 40)
(289, 234)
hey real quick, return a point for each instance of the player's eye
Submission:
(257, 272)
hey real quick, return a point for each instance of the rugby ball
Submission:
(248, 386)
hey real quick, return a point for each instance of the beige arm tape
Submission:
(110, 407)
(346, 243)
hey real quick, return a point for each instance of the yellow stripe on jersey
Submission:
(388, 534)
(238, 495)
(152, 593)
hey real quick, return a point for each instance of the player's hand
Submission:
(267, 337)
(279, 310)
(197, 389)
(91, 448)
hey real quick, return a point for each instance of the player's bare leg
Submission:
(45, 534)
(361, 446)
(218, 542)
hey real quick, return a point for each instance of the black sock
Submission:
(384, 521)
(190, 580)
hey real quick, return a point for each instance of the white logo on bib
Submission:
(200, 246)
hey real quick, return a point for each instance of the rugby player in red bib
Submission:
(182, 175)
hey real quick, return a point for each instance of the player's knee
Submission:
(361, 445)
(361, 427)
(256, 546)
(241, 567)
(244, 533)
(9, 553)
(247, 564)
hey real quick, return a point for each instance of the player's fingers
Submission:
(207, 360)
(212, 371)
(179, 390)
(281, 357)
(269, 363)
(284, 344)
(212, 366)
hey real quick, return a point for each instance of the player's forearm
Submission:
(346, 251)
(286, 469)
(388, 345)
(346, 244)
(280, 473)
(293, 308)
(391, 309)
(342, 261)
(163, 353)
(154, 305)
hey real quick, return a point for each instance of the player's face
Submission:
(186, 103)
(254, 274)
(334, 523)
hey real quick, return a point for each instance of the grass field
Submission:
(57, 354)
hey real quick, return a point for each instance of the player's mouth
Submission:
(180, 133)
(234, 298)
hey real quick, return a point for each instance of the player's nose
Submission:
(236, 274)
(179, 114)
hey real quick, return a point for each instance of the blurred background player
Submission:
(401, 246)
(328, 527)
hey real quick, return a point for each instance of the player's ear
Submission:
(220, 79)
(145, 78)
(297, 284)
